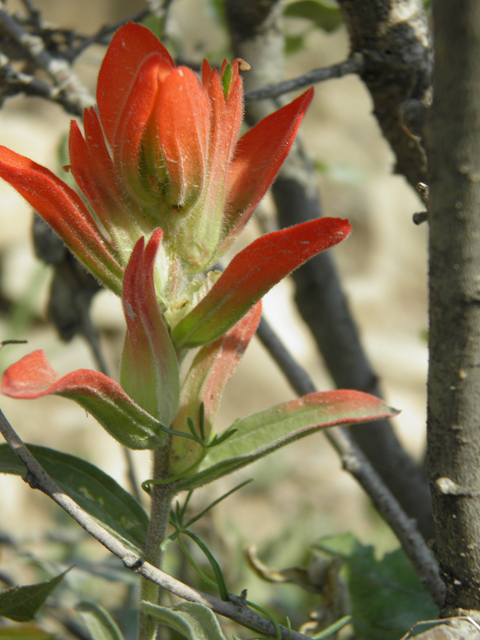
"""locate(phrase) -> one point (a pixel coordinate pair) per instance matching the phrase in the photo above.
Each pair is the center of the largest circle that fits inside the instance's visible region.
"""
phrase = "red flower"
(162, 151)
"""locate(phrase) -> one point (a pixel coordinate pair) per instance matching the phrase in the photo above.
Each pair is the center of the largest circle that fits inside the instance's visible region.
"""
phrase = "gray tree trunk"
(453, 150)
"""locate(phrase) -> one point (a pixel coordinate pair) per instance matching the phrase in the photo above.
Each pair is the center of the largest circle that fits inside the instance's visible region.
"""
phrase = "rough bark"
(453, 136)
(392, 36)
(319, 295)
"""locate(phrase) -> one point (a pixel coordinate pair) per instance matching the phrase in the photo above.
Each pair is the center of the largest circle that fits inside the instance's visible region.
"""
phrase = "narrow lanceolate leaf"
(99, 622)
(92, 167)
(259, 154)
(65, 212)
(261, 433)
(33, 377)
(191, 620)
(252, 273)
(211, 369)
(149, 371)
(22, 603)
(90, 487)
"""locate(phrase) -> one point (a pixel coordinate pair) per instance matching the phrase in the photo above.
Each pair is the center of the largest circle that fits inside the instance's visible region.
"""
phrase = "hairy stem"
(161, 498)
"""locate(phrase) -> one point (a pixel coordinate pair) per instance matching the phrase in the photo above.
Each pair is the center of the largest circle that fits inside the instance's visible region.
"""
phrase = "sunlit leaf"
(261, 433)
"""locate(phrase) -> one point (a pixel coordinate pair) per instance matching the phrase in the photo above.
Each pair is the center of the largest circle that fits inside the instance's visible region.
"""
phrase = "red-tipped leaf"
(140, 104)
(252, 273)
(258, 156)
(33, 377)
(184, 127)
(93, 170)
(149, 369)
(262, 433)
(127, 50)
(65, 212)
(209, 373)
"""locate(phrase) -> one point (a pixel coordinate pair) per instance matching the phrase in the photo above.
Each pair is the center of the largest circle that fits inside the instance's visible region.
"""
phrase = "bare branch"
(319, 294)
(77, 96)
(103, 35)
(353, 64)
(357, 464)
(13, 82)
(236, 609)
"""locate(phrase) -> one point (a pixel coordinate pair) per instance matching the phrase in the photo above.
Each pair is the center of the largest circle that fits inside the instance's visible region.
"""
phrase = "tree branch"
(357, 464)
(77, 98)
(353, 64)
(236, 609)
(319, 294)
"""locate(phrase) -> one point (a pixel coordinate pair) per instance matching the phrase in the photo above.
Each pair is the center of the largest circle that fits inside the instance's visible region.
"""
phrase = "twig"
(102, 36)
(319, 295)
(236, 609)
(34, 13)
(353, 64)
(77, 96)
(18, 82)
(357, 464)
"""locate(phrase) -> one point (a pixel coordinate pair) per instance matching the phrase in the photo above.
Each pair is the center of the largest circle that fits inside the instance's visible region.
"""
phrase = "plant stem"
(161, 498)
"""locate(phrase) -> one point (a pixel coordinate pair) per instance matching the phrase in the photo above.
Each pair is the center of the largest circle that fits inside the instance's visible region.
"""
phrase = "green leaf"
(99, 622)
(211, 369)
(324, 15)
(92, 489)
(261, 433)
(24, 632)
(294, 44)
(330, 630)
(386, 595)
(194, 621)
(33, 377)
(22, 603)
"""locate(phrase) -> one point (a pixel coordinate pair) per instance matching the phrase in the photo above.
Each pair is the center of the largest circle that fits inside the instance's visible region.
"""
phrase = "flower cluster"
(167, 187)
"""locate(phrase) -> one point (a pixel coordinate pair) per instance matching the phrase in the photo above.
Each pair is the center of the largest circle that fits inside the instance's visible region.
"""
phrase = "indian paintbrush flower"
(160, 150)
(167, 188)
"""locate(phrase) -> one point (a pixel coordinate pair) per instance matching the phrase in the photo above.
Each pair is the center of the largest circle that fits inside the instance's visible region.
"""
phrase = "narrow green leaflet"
(91, 488)
(24, 632)
(99, 622)
(261, 433)
(194, 621)
(386, 595)
(336, 626)
(22, 603)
